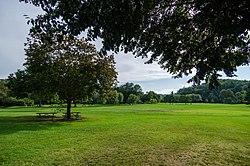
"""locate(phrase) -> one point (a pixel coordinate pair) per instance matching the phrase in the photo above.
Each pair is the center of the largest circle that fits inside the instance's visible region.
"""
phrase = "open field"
(160, 134)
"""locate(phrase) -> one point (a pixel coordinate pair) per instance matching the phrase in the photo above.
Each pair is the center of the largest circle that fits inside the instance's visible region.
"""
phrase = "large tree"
(180, 35)
(68, 66)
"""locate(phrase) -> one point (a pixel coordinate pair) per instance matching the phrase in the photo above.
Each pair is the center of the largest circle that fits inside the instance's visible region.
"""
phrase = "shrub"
(133, 99)
(152, 101)
(12, 101)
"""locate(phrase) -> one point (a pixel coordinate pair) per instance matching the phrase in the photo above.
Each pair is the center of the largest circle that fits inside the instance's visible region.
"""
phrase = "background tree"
(248, 94)
(130, 88)
(212, 98)
(240, 96)
(3, 89)
(213, 95)
(68, 66)
(194, 98)
(21, 84)
(146, 98)
(169, 98)
(18, 84)
(176, 98)
(227, 96)
(153, 101)
(120, 97)
(113, 97)
(185, 99)
(133, 99)
(96, 98)
(180, 35)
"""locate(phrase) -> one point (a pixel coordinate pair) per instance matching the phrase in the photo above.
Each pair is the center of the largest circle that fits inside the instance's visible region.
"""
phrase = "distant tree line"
(7, 99)
(230, 91)
(127, 93)
(187, 98)
(15, 91)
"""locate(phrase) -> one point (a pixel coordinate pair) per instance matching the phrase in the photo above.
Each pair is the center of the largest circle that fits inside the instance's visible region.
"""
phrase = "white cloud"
(134, 69)
(13, 32)
(166, 91)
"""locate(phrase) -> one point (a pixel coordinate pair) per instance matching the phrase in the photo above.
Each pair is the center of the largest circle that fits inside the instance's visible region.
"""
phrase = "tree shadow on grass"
(99, 105)
(9, 125)
(23, 109)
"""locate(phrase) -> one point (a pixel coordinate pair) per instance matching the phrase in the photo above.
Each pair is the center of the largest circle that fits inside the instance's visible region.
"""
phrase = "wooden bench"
(46, 114)
(75, 115)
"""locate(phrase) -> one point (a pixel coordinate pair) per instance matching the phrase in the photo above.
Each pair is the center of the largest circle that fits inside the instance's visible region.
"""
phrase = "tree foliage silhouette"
(180, 35)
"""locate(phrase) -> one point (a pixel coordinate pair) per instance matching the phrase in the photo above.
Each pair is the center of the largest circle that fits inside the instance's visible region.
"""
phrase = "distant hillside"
(230, 91)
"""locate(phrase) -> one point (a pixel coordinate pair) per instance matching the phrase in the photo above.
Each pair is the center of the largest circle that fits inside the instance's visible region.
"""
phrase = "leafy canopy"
(19, 84)
(181, 35)
(67, 66)
(3, 89)
(70, 66)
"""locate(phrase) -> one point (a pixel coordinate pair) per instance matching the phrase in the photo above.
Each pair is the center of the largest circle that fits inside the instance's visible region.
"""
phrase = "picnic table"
(46, 114)
(73, 114)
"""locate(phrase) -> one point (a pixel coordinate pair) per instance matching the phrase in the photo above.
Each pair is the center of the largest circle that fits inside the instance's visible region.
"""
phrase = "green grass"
(161, 134)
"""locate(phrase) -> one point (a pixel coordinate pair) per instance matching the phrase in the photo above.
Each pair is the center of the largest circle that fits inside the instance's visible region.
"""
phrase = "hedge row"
(12, 101)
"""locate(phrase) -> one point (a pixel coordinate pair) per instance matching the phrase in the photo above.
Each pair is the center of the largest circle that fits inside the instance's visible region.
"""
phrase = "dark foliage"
(248, 94)
(180, 35)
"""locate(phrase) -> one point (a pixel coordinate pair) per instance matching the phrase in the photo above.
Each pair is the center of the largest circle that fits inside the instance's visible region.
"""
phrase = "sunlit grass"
(161, 134)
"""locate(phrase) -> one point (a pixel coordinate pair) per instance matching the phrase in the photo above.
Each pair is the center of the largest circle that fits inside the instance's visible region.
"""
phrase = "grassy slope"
(162, 134)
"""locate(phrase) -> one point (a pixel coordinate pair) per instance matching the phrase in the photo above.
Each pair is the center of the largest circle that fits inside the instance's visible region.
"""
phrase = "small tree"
(227, 96)
(169, 98)
(120, 97)
(240, 96)
(150, 95)
(248, 94)
(3, 89)
(185, 99)
(194, 98)
(176, 98)
(133, 99)
(153, 101)
(18, 84)
(212, 98)
(113, 97)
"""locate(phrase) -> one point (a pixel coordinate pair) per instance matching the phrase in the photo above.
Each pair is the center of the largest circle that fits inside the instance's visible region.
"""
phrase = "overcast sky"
(14, 30)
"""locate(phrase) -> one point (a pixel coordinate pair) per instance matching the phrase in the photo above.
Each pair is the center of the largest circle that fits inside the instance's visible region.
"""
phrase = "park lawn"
(157, 134)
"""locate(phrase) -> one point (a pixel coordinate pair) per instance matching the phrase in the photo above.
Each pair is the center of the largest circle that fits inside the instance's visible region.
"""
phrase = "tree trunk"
(68, 109)
(40, 103)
